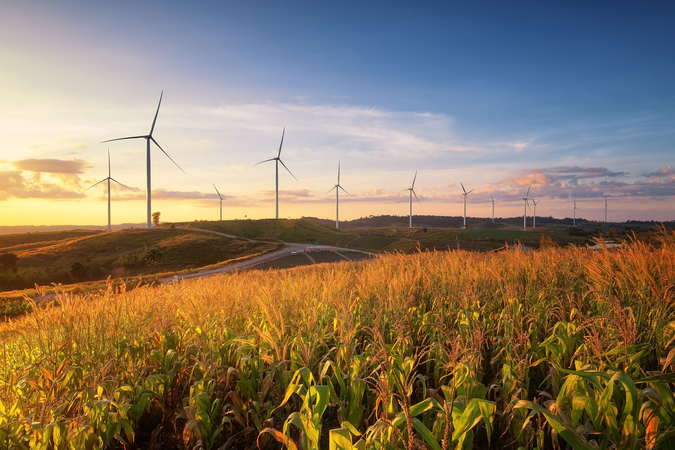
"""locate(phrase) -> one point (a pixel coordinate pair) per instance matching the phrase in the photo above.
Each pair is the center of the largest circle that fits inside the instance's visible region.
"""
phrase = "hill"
(80, 255)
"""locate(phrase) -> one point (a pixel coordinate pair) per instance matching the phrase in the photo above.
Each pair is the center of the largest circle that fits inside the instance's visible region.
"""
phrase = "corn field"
(553, 349)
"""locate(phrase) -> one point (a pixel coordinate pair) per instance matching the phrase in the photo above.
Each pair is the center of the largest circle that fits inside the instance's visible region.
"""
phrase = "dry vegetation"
(546, 349)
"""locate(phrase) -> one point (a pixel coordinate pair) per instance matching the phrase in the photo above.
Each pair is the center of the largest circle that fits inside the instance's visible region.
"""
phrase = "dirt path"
(286, 251)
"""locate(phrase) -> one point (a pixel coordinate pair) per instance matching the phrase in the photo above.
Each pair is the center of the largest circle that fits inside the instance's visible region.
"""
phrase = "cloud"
(559, 175)
(56, 166)
(58, 145)
(286, 193)
(661, 173)
(14, 185)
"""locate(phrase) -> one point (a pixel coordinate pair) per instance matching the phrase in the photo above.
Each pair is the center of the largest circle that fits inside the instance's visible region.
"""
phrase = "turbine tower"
(534, 213)
(109, 179)
(465, 195)
(412, 192)
(337, 188)
(525, 205)
(221, 201)
(605, 209)
(278, 160)
(574, 220)
(493, 209)
(148, 137)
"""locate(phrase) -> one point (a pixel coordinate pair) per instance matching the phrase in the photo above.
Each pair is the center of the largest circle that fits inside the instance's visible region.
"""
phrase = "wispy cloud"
(58, 166)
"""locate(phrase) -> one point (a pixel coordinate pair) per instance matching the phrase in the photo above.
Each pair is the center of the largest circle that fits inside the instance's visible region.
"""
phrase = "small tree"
(155, 218)
(153, 256)
(8, 260)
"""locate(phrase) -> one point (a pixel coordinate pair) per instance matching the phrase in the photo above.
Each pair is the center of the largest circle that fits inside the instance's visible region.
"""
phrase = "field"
(557, 348)
(388, 239)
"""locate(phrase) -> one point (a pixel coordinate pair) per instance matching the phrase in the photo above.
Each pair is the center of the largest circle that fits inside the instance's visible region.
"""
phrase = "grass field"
(440, 350)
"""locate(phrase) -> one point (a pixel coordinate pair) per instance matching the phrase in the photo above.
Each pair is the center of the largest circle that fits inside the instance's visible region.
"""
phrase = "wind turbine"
(221, 201)
(148, 137)
(278, 160)
(605, 209)
(493, 209)
(337, 188)
(574, 220)
(465, 195)
(525, 209)
(412, 192)
(534, 217)
(110, 178)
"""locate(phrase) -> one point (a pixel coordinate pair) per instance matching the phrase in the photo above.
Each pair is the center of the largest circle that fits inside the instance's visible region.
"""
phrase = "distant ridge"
(15, 229)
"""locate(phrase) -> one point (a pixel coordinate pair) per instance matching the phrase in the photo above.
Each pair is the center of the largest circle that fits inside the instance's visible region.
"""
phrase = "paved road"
(287, 250)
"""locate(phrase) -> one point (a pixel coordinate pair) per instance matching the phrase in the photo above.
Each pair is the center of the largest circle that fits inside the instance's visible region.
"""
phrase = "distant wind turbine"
(605, 209)
(574, 220)
(525, 209)
(278, 160)
(109, 179)
(534, 213)
(493, 209)
(465, 196)
(412, 192)
(221, 201)
(148, 137)
(337, 188)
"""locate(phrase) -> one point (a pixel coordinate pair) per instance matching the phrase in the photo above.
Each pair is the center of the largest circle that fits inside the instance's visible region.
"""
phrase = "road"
(286, 251)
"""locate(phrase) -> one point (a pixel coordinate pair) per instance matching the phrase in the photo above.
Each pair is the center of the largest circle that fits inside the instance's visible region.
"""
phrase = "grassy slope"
(24, 241)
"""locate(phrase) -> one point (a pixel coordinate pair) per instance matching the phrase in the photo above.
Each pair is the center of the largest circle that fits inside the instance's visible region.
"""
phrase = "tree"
(153, 256)
(8, 260)
(78, 272)
(155, 218)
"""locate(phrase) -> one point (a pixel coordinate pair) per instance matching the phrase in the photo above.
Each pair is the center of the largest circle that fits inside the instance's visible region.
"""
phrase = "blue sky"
(576, 99)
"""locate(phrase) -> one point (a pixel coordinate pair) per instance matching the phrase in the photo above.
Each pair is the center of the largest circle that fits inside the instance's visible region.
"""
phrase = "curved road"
(287, 250)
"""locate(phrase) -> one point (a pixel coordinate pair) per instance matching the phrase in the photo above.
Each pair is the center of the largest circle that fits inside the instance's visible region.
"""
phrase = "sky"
(575, 100)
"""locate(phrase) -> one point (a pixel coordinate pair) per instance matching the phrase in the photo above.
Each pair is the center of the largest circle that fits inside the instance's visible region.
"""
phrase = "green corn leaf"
(426, 434)
(340, 439)
(569, 434)
(471, 415)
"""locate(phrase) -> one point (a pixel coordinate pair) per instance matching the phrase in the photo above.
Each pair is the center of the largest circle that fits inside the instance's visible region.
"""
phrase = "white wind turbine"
(493, 209)
(534, 213)
(148, 137)
(465, 196)
(574, 220)
(221, 201)
(109, 179)
(525, 209)
(337, 188)
(605, 209)
(278, 160)
(412, 192)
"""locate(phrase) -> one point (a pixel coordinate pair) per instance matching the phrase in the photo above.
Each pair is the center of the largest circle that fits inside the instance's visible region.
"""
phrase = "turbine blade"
(167, 155)
(121, 184)
(338, 173)
(105, 179)
(463, 187)
(418, 200)
(122, 139)
(528, 192)
(108, 162)
(334, 187)
(413, 183)
(470, 191)
(345, 191)
(282, 142)
(282, 163)
(214, 187)
(155, 119)
(267, 160)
